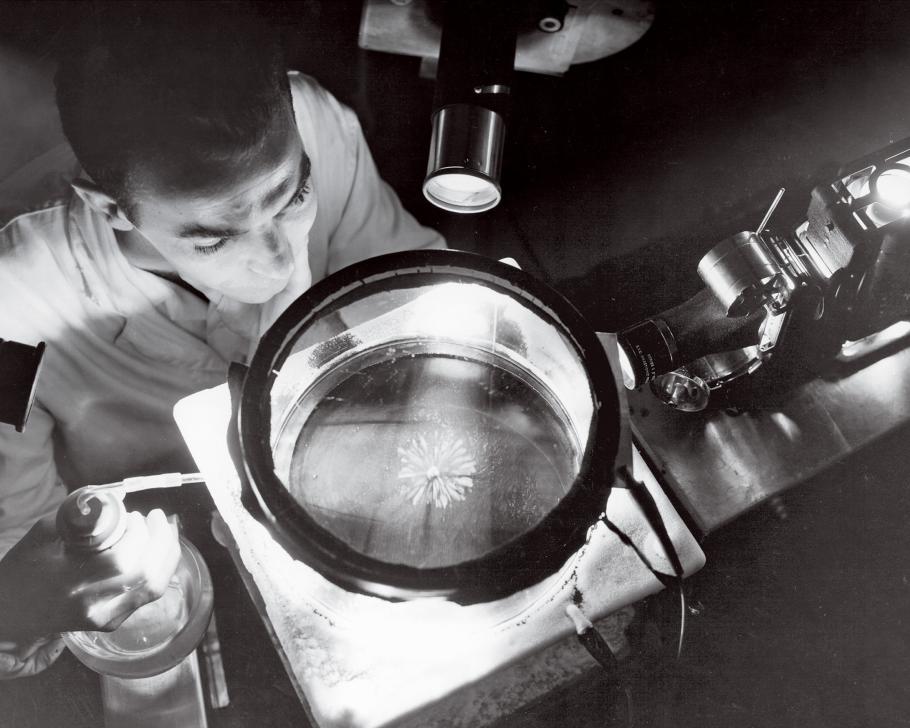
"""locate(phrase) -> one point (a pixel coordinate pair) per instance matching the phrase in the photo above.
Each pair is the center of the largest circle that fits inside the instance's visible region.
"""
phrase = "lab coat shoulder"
(33, 299)
(325, 127)
(362, 215)
(41, 184)
(34, 290)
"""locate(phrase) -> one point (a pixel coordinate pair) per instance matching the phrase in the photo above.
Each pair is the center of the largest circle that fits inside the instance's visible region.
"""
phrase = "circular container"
(159, 635)
(430, 423)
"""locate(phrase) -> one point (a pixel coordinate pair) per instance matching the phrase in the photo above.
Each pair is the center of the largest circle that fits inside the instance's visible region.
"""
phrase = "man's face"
(227, 225)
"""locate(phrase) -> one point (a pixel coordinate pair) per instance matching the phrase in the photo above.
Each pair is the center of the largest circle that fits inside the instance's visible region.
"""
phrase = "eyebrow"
(195, 230)
(203, 231)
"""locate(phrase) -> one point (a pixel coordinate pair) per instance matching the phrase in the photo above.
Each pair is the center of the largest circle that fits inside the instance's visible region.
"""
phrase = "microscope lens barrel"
(471, 106)
(646, 350)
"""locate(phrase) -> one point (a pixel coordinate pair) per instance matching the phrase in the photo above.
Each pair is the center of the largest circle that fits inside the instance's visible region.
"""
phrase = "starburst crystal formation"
(437, 469)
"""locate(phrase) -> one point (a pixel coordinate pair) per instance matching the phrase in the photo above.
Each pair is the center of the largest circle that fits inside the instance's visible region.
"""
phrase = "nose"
(272, 257)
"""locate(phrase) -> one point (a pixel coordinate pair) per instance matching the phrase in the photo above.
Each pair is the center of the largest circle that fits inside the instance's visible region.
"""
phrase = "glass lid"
(425, 419)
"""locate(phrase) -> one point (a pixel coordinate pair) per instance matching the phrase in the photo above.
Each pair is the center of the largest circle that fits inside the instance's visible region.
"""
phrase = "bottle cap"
(91, 521)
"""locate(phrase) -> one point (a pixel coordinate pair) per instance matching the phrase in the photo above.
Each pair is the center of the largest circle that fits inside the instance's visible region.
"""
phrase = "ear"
(100, 201)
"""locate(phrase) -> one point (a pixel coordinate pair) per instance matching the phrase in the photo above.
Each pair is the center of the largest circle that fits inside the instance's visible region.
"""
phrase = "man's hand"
(30, 659)
(46, 589)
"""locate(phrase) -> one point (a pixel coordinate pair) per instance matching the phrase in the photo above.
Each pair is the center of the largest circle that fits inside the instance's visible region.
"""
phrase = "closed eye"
(210, 249)
(299, 197)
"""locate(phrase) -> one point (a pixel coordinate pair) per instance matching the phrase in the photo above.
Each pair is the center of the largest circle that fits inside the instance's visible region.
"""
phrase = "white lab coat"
(123, 345)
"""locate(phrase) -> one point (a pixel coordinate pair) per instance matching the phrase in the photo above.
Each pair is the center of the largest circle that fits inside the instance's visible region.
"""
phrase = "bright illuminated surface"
(854, 349)
(460, 192)
(625, 366)
(893, 187)
(458, 309)
(366, 662)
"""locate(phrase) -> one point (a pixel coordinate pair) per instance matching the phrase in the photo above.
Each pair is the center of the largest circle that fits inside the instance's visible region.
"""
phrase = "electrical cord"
(588, 636)
(649, 507)
(598, 648)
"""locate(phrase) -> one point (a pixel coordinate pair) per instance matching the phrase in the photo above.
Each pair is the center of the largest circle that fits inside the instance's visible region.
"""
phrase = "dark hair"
(185, 81)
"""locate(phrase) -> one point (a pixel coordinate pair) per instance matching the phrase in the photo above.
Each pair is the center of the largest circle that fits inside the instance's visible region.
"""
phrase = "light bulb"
(892, 186)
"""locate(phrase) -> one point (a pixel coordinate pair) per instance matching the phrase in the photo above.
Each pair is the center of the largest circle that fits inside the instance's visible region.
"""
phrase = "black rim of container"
(515, 565)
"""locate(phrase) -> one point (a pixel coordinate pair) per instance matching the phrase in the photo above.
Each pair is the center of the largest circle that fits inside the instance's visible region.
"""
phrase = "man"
(214, 189)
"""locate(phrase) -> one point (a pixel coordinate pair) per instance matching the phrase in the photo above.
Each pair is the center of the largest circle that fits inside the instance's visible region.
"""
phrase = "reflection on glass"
(431, 459)
(445, 421)
(157, 636)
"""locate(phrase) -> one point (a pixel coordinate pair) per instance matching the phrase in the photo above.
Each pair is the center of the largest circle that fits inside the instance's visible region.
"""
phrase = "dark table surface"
(720, 463)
